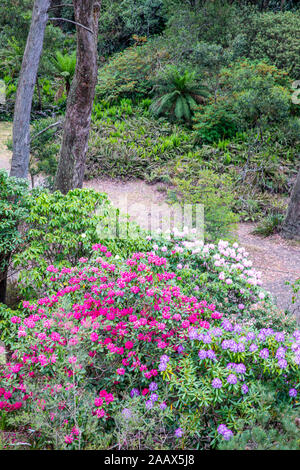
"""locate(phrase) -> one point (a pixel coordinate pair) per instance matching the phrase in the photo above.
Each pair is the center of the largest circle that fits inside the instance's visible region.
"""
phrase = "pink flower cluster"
(127, 313)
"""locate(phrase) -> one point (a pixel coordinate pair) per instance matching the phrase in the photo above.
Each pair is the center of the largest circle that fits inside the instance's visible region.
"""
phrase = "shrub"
(129, 74)
(274, 426)
(269, 225)
(123, 21)
(275, 36)
(215, 122)
(59, 229)
(223, 274)
(114, 330)
(45, 147)
(214, 192)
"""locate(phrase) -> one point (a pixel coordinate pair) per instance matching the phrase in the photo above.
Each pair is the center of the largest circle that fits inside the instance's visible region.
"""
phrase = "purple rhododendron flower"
(211, 354)
(179, 432)
(153, 397)
(227, 325)
(164, 358)
(216, 332)
(134, 392)
(264, 353)
(202, 354)
(228, 435)
(149, 404)
(153, 386)
(207, 339)
(193, 333)
(232, 379)
(225, 432)
(216, 383)
(222, 428)
(280, 353)
(279, 337)
(251, 336)
(240, 368)
(282, 363)
(126, 412)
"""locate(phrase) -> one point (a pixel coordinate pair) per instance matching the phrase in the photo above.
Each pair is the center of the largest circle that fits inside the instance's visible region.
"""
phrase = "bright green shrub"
(215, 192)
(13, 211)
(59, 230)
(215, 122)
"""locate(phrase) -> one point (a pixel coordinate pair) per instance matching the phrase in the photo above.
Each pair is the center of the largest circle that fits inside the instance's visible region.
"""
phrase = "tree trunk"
(71, 166)
(4, 260)
(27, 80)
(291, 225)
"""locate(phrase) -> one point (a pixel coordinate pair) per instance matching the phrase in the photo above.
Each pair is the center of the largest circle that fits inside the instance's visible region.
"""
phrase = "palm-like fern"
(65, 64)
(178, 94)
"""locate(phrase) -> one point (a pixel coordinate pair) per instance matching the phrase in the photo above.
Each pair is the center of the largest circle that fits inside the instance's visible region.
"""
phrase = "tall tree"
(291, 225)
(26, 84)
(71, 166)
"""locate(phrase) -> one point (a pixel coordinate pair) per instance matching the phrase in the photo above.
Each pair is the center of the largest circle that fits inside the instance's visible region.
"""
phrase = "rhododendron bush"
(222, 273)
(117, 341)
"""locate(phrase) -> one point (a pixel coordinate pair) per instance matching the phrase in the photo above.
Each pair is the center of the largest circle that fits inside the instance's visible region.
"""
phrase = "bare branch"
(73, 22)
(46, 129)
(61, 6)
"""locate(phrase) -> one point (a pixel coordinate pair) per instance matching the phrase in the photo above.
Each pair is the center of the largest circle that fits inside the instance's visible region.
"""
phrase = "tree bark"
(4, 260)
(27, 80)
(291, 225)
(71, 166)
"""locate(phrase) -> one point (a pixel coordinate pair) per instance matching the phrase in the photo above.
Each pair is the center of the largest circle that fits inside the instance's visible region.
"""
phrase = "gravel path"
(277, 259)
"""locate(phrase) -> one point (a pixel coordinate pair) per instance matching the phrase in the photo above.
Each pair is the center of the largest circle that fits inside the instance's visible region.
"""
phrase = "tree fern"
(65, 64)
(177, 94)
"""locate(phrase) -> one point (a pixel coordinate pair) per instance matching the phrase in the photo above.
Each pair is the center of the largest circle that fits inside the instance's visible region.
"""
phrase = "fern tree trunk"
(27, 80)
(70, 172)
(291, 225)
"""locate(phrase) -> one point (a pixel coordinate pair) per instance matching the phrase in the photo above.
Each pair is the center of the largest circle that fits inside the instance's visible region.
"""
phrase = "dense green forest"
(150, 341)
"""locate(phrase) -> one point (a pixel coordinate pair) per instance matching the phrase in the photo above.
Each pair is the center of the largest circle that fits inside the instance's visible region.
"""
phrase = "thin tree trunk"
(291, 225)
(70, 172)
(4, 260)
(27, 80)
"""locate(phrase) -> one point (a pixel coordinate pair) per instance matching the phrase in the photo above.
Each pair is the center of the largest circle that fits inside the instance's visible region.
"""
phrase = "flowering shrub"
(121, 335)
(221, 273)
(60, 229)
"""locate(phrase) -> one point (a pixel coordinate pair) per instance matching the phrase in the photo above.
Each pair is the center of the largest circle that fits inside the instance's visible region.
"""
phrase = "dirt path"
(278, 260)
(5, 154)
